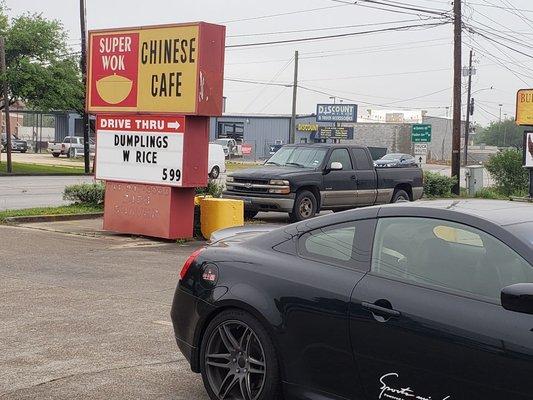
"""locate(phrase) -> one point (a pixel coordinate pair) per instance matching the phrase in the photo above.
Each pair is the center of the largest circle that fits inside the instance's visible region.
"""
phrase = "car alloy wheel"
(306, 207)
(235, 362)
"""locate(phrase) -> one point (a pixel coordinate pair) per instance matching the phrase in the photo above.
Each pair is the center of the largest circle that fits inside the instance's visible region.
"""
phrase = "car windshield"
(391, 157)
(310, 157)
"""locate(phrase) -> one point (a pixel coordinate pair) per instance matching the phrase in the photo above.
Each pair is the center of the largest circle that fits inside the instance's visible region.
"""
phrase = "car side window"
(446, 255)
(361, 160)
(66, 140)
(342, 156)
(346, 245)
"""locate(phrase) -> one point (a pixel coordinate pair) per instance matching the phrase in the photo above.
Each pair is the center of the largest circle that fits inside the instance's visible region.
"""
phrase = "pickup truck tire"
(400, 196)
(56, 155)
(305, 206)
(215, 172)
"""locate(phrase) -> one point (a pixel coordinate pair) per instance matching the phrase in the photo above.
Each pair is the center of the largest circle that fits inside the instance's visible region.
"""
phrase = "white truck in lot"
(72, 146)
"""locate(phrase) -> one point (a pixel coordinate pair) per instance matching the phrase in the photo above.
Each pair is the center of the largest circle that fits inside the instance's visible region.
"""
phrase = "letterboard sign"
(141, 149)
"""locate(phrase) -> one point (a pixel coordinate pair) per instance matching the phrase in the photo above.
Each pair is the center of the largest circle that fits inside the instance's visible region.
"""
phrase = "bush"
(85, 193)
(490, 193)
(437, 185)
(507, 171)
(212, 189)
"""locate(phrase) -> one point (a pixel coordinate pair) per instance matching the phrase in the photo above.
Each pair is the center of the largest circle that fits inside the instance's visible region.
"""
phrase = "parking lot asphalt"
(88, 317)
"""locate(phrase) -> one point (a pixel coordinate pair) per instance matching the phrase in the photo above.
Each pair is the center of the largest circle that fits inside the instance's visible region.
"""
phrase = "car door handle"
(379, 310)
(353, 178)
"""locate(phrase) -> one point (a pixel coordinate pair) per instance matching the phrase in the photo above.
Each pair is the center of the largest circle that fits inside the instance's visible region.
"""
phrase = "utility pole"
(457, 67)
(292, 129)
(468, 109)
(5, 90)
(83, 65)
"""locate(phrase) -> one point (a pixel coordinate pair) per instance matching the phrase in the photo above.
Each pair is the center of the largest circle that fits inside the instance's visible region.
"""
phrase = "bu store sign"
(142, 149)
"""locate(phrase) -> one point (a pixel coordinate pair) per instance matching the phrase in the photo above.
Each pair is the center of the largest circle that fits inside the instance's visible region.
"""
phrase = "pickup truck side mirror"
(518, 298)
(335, 166)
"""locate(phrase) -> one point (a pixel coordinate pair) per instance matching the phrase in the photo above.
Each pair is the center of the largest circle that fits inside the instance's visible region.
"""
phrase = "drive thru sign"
(140, 149)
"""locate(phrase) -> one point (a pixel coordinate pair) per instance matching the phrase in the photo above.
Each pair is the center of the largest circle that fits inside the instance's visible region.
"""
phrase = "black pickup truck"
(303, 179)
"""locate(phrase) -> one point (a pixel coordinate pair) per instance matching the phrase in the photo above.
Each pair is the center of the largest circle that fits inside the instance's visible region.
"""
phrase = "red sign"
(115, 65)
(167, 69)
(246, 149)
(151, 210)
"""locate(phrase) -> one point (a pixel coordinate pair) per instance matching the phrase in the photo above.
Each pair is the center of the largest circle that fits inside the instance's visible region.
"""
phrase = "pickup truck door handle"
(353, 178)
(380, 311)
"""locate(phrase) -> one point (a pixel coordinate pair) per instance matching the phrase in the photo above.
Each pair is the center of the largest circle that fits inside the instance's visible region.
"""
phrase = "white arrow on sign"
(173, 125)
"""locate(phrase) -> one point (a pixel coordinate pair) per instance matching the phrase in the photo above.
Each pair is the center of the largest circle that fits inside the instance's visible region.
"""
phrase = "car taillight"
(189, 262)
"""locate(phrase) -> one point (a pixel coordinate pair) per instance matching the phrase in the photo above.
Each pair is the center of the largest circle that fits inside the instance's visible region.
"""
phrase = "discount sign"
(160, 69)
(142, 149)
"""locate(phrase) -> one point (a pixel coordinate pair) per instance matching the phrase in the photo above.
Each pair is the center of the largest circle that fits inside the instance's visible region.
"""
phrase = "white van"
(216, 160)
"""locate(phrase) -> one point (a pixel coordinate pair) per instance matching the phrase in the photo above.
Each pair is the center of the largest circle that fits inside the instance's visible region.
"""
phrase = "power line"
(401, 6)
(279, 14)
(377, 75)
(270, 81)
(326, 28)
(252, 82)
(365, 102)
(339, 35)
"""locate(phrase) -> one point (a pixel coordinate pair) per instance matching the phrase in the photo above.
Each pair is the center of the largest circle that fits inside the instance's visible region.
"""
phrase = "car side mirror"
(335, 166)
(518, 298)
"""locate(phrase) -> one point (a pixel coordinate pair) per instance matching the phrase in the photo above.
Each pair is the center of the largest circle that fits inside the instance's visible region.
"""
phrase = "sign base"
(151, 210)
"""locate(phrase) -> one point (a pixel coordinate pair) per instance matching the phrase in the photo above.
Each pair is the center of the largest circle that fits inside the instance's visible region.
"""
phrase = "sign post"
(524, 117)
(153, 90)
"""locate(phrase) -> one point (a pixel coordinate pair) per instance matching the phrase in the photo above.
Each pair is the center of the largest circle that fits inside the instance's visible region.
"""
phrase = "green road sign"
(421, 133)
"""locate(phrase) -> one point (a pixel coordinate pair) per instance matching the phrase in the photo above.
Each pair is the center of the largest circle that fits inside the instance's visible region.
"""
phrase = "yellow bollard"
(218, 214)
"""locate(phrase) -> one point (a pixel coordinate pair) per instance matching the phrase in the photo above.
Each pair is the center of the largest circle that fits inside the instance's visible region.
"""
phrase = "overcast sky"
(400, 69)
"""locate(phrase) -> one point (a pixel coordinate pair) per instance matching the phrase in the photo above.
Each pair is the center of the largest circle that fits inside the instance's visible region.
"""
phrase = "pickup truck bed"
(321, 177)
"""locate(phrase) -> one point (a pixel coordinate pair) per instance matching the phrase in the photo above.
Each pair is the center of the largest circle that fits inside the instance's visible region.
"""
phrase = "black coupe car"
(429, 300)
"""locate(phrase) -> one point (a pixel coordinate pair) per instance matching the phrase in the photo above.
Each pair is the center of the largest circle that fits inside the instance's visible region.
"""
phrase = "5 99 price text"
(171, 175)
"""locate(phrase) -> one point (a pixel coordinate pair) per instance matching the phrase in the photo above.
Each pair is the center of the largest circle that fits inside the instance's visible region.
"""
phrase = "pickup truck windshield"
(308, 157)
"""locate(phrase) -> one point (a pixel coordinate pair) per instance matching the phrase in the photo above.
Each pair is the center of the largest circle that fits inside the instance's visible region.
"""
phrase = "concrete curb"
(52, 218)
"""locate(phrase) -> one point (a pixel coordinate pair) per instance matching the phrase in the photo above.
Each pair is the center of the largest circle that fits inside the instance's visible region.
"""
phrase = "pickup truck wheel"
(305, 206)
(56, 155)
(400, 196)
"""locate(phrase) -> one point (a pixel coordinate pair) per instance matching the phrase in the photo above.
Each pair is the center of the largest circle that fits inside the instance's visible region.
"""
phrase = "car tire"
(305, 206)
(234, 344)
(23, 151)
(249, 214)
(400, 196)
(215, 172)
(56, 155)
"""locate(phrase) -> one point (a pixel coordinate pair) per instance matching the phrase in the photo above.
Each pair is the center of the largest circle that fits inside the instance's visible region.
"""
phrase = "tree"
(502, 134)
(40, 70)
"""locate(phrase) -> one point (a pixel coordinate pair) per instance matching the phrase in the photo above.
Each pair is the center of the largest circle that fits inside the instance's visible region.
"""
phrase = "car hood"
(270, 171)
